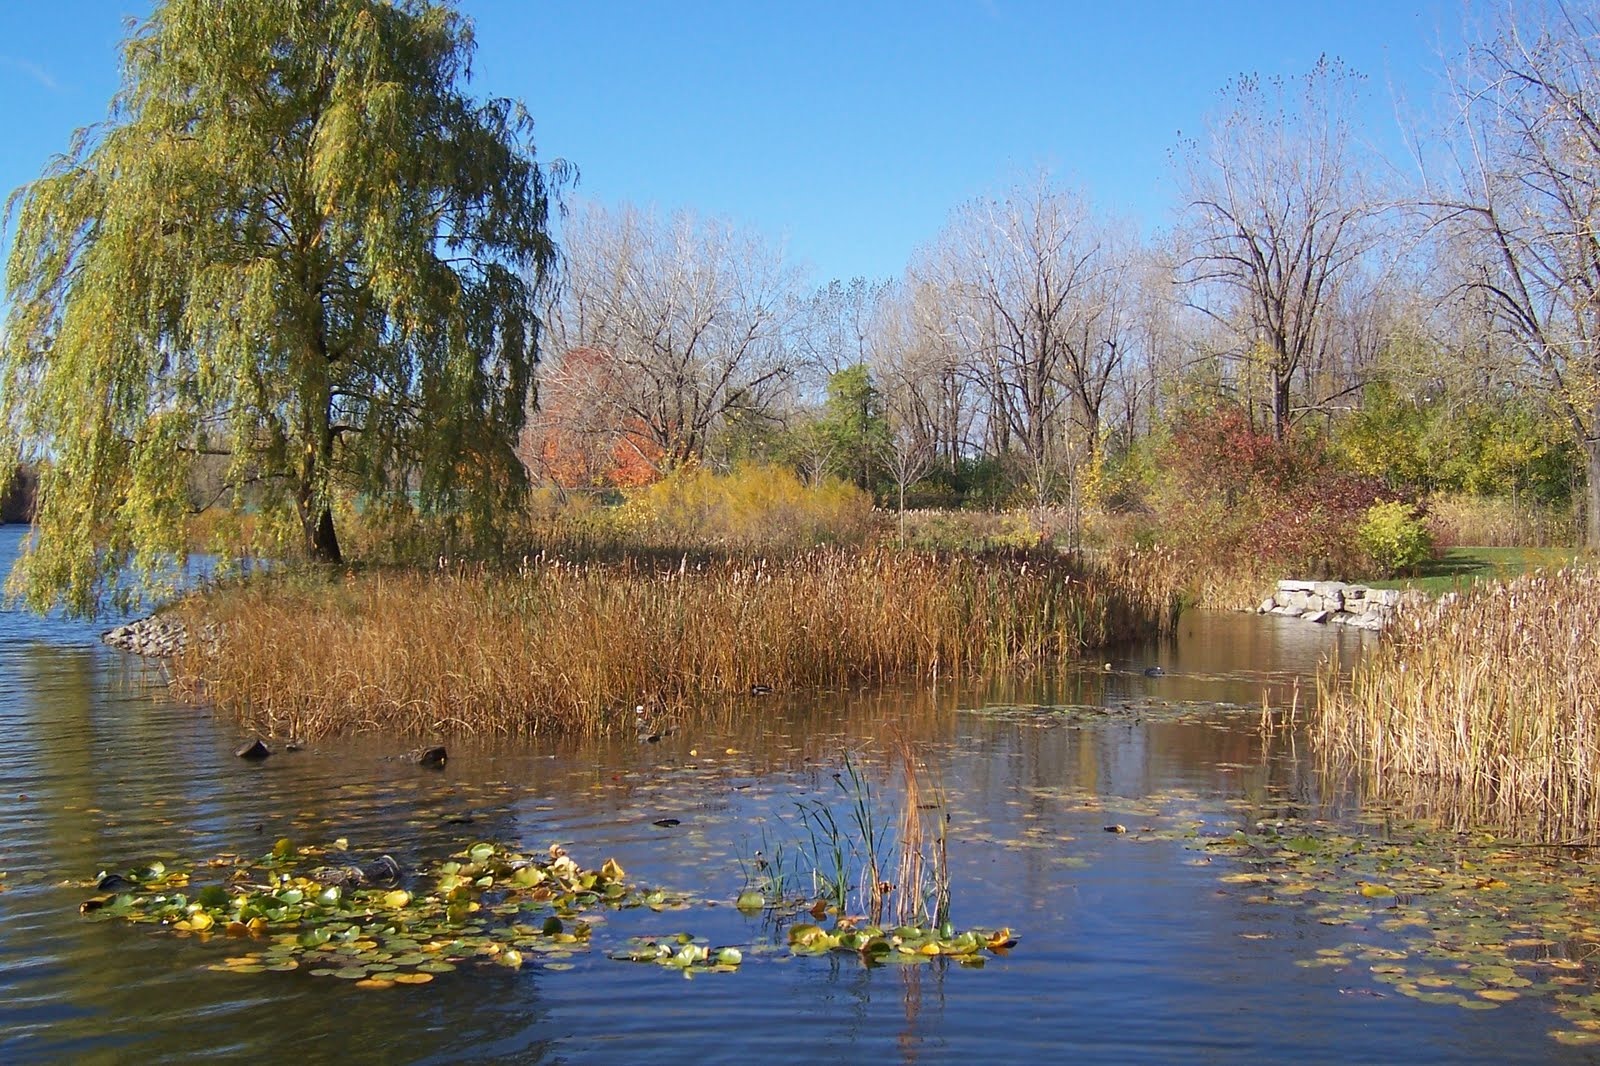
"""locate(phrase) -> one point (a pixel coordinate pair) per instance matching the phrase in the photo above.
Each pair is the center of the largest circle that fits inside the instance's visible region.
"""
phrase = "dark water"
(1128, 953)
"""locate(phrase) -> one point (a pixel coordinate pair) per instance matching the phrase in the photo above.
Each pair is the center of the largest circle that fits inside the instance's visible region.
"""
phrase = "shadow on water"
(1129, 952)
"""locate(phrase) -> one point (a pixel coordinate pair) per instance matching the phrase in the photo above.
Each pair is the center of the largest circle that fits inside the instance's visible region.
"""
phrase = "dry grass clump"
(1492, 699)
(1499, 522)
(563, 646)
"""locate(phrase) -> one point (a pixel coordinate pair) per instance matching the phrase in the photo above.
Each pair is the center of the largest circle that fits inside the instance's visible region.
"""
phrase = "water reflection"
(1128, 954)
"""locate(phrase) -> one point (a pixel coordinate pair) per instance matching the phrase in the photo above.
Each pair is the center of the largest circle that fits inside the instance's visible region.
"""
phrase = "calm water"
(1127, 954)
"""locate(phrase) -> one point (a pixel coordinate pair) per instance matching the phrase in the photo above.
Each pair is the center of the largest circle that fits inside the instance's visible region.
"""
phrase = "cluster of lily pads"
(1444, 917)
(903, 944)
(682, 951)
(487, 904)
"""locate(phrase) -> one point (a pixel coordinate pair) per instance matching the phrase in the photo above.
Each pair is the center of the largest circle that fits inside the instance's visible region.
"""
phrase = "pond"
(1133, 947)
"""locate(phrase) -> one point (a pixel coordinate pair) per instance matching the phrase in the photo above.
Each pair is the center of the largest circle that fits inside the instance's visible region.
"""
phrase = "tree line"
(300, 264)
(1302, 278)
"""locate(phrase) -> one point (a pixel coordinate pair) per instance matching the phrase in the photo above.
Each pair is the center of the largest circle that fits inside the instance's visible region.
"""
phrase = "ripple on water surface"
(1128, 952)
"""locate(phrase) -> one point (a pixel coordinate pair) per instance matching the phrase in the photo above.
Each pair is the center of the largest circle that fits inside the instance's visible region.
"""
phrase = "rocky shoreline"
(1336, 603)
(155, 637)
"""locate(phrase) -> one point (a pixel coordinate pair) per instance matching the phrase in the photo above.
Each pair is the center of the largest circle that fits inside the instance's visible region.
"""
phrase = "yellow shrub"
(755, 506)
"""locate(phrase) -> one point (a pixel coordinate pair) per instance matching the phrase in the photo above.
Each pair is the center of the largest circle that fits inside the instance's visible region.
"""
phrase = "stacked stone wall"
(1334, 602)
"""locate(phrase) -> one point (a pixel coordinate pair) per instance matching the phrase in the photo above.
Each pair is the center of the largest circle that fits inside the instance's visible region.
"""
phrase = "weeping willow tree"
(297, 258)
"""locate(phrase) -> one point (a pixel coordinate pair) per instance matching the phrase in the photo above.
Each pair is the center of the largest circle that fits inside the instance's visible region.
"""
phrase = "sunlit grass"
(1458, 568)
(557, 645)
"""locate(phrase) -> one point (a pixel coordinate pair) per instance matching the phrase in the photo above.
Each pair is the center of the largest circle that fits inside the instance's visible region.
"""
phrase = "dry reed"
(921, 886)
(1489, 522)
(562, 646)
(1489, 704)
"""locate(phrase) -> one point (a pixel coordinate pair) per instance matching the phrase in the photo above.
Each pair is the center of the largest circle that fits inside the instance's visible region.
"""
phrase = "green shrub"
(1395, 537)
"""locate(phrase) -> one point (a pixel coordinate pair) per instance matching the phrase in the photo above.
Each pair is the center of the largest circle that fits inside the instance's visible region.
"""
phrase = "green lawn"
(1459, 567)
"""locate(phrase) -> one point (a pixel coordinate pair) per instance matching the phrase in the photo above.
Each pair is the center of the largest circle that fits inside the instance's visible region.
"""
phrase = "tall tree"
(1527, 211)
(1278, 206)
(853, 420)
(838, 323)
(918, 364)
(296, 242)
(1021, 276)
(685, 323)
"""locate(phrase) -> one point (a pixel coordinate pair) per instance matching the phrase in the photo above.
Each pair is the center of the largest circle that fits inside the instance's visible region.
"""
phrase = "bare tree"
(1100, 337)
(1526, 210)
(1278, 211)
(1021, 277)
(687, 321)
(837, 322)
(908, 457)
(920, 369)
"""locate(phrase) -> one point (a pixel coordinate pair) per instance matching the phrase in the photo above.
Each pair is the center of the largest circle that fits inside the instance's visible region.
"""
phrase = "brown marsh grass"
(1488, 705)
(921, 885)
(1498, 522)
(556, 645)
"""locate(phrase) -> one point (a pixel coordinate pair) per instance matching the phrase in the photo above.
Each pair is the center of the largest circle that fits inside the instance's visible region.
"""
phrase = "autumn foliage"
(1230, 491)
(572, 443)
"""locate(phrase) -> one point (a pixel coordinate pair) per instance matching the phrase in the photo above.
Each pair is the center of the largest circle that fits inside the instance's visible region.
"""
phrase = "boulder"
(1332, 593)
(1295, 599)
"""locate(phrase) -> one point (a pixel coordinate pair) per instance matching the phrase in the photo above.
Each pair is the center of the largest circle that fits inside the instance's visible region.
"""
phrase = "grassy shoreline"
(562, 646)
(1455, 569)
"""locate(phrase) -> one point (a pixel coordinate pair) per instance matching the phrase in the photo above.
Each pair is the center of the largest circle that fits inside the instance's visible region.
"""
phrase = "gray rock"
(1332, 593)
(1295, 600)
(155, 636)
(1266, 605)
(1316, 616)
(1297, 586)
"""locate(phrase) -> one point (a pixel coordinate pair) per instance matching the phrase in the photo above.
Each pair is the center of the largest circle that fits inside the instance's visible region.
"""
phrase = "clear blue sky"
(848, 131)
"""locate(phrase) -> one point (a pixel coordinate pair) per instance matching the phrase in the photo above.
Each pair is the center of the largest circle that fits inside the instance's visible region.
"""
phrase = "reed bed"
(559, 645)
(1487, 704)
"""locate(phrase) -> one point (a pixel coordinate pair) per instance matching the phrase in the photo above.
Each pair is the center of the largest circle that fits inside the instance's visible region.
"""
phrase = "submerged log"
(383, 870)
(255, 750)
(433, 757)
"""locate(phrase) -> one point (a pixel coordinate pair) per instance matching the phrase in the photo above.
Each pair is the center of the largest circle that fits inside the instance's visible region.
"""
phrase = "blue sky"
(846, 131)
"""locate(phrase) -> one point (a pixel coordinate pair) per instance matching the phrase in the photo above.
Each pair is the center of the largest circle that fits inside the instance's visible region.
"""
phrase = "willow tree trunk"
(311, 501)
